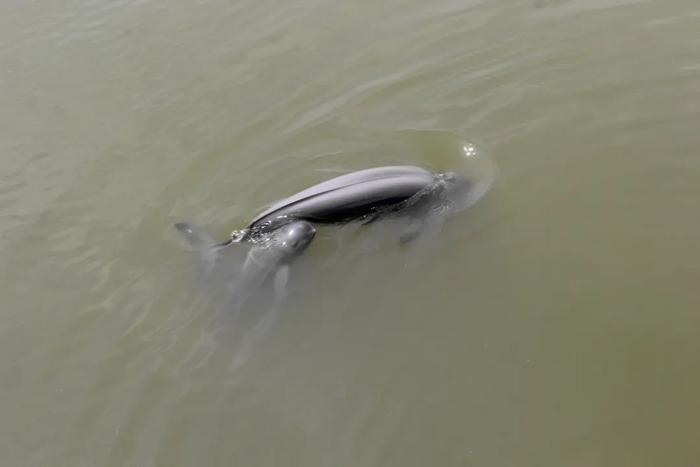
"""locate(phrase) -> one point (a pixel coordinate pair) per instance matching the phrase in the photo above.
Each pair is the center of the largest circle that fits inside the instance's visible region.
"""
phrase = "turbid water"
(554, 323)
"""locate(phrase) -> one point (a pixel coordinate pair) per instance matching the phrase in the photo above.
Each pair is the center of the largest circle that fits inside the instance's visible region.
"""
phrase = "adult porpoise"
(283, 231)
(364, 195)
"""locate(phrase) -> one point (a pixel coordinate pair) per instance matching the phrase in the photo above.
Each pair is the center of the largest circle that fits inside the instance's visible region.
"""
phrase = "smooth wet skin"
(288, 241)
(350, 196)
(272, 255)
(364, 195)
(284, 231)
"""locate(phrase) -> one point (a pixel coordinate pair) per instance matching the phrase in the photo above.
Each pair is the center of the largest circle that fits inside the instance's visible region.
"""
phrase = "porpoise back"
(350, 196)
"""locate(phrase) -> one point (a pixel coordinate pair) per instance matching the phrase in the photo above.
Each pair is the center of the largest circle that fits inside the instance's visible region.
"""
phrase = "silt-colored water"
(554, 323)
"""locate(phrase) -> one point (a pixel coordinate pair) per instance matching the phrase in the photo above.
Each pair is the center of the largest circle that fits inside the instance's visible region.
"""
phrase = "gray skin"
(284, 230)
(273, 254)
(365, 195)
(280, 247)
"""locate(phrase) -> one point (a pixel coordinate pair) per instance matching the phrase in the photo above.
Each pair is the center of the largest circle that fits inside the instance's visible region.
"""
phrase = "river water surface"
(554, 323)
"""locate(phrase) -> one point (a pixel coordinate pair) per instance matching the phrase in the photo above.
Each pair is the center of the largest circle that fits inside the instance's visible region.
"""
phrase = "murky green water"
(556, 323)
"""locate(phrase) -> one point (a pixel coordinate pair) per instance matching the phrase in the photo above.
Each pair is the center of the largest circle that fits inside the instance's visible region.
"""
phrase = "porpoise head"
(291, 239)
(272, 252)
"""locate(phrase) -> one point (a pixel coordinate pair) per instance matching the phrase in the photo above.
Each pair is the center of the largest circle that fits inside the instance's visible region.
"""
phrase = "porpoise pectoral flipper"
(280, 282)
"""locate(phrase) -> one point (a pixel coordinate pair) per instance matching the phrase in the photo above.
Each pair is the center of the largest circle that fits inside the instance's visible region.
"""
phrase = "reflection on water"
(553, 322)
